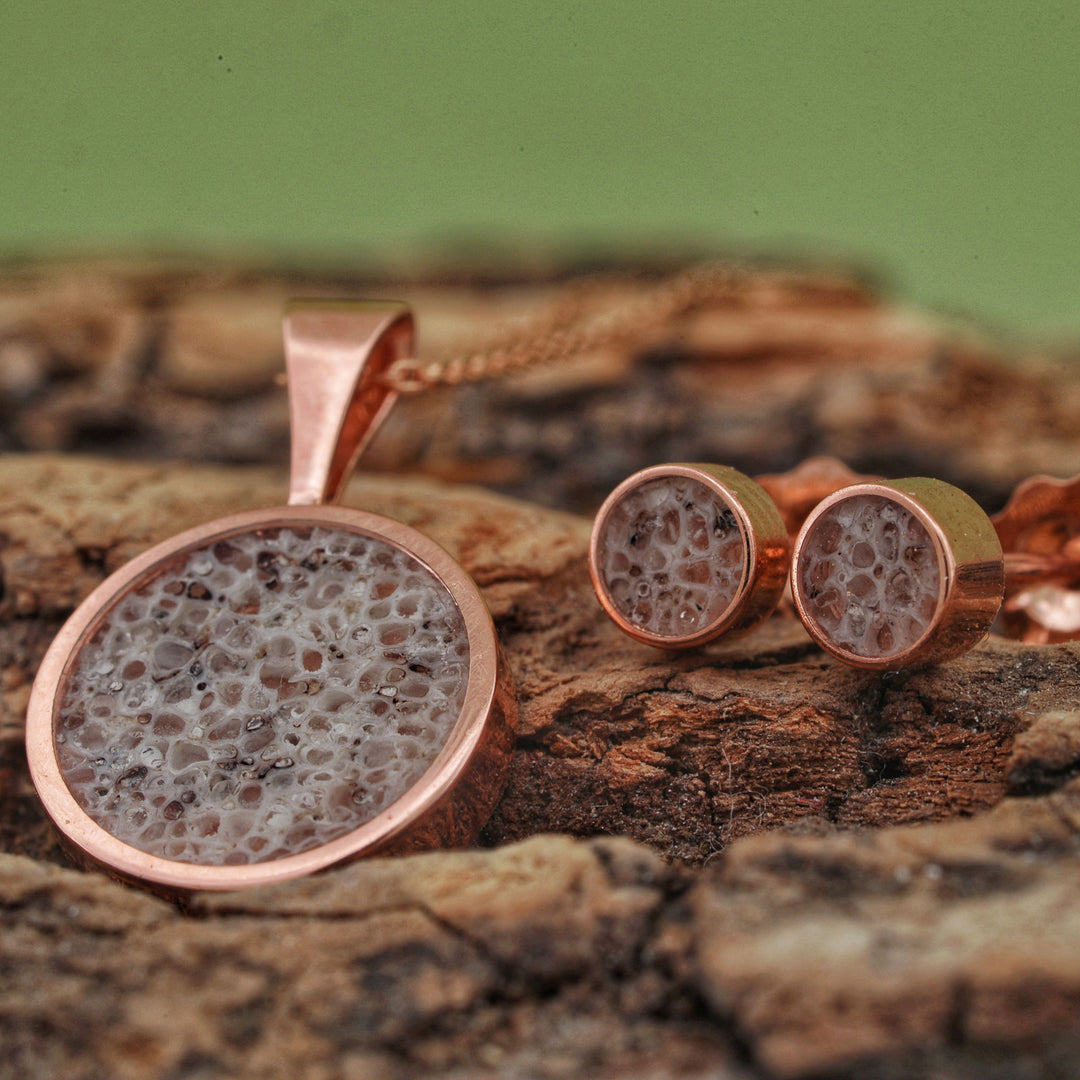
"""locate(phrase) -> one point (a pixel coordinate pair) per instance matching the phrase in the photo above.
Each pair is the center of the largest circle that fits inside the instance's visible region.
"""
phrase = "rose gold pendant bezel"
(477, 747)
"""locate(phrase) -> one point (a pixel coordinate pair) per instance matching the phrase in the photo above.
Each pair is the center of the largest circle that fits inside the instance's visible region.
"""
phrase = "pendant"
(280, 690)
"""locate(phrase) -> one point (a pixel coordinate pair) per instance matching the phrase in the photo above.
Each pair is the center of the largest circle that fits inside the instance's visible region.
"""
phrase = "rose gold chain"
(571, 326)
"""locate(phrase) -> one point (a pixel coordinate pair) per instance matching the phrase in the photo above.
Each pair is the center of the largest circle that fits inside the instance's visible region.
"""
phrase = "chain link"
(570, 327)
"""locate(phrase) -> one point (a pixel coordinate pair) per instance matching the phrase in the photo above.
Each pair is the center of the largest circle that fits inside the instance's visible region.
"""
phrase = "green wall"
(937, 141)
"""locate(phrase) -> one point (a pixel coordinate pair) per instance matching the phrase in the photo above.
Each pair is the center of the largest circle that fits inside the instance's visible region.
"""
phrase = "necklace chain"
(571, 326)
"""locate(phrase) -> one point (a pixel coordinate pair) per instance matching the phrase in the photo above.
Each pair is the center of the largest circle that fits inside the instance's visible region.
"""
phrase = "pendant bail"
(335, 352)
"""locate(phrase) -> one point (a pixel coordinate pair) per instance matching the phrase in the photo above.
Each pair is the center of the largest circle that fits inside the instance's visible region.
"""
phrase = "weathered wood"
(777, 866)
(571, 955)
(178, 362)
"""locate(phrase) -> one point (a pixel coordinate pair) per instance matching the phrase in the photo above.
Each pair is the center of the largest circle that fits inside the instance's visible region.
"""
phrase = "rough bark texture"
(776, 867)
(178, 361)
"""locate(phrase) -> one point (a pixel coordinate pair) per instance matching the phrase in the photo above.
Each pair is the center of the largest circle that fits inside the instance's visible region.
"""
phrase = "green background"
(934, 141)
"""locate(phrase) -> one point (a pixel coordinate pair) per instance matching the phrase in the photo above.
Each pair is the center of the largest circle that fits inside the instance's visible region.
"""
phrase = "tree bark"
(178, 362)
(771, 865)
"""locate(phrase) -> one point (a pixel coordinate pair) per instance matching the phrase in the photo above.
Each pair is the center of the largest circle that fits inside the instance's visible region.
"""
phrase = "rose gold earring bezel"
(969, 563)
(764, 538)
(446, 805)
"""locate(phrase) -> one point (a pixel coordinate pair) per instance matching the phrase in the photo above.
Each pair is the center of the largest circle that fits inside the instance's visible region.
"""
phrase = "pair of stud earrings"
(883, 575)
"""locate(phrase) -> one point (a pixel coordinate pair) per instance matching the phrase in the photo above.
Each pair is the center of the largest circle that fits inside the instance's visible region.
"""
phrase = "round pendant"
(273, 693)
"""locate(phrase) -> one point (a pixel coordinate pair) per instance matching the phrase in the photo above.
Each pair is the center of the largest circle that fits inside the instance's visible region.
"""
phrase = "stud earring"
(900, 574)
(681, 554)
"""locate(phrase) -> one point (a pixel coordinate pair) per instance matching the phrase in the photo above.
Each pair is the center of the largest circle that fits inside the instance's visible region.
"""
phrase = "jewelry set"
(283, 690)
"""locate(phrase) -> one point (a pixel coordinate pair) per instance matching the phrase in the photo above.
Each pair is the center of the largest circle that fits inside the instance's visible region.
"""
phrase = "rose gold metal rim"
(731, 613)
(946, 568)
(485, 698)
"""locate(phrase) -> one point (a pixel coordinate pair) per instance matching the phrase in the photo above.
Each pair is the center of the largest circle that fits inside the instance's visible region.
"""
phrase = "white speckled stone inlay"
(263, 695)
(869, 576)
(671, 556)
